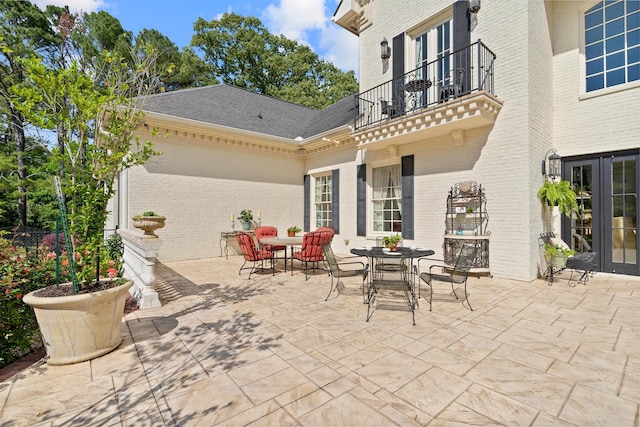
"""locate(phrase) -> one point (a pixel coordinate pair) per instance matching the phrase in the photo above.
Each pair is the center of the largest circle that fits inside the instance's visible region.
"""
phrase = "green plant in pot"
(392, 241)
(292, 231)
(557, 255)
(246, 218)
(560, 194)
(96, 116)
(149, 221)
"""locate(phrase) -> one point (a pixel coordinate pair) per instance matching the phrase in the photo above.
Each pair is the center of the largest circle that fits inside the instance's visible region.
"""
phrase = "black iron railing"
(464, 71)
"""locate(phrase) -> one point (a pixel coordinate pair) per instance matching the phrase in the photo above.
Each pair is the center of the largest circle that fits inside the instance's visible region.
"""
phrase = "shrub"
(20, 273)
(49, 242)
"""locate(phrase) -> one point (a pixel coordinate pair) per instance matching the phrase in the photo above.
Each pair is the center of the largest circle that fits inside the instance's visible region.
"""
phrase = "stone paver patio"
(228, 351)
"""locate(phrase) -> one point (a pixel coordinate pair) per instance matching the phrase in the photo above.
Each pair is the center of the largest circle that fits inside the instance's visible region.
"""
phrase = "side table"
(226, 235)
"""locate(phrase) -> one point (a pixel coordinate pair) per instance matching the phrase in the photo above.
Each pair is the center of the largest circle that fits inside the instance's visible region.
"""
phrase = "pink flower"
(112, 263)
(113, 272)
(51, 255)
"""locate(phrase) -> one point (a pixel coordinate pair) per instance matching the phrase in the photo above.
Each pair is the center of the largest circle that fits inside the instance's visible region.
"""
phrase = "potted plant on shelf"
(391, 242)
(97, 131)
(557, 255)
(291, 231)
(246, 217)
(149, 221)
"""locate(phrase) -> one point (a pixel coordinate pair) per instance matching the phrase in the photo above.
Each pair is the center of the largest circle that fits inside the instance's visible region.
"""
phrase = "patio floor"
(270, 351)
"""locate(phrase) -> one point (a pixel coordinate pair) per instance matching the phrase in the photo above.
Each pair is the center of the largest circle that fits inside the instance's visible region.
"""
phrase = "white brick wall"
(537, 75)
(197, 185)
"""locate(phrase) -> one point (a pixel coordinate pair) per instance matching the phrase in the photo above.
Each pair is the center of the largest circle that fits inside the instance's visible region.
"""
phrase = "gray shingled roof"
(242, 109)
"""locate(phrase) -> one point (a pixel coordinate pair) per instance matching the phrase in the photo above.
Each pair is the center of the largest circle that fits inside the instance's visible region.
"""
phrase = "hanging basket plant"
(560, 194)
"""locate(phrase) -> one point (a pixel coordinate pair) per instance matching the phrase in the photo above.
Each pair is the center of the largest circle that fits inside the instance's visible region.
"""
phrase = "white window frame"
(583, 67)
(371, 232)
(317, 178)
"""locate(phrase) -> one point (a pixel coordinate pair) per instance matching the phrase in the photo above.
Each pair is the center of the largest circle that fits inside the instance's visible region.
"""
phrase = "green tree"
(242, 52)
(24, 29)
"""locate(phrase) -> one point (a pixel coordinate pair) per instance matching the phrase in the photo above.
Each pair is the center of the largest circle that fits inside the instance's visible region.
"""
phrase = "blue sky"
(307, 21)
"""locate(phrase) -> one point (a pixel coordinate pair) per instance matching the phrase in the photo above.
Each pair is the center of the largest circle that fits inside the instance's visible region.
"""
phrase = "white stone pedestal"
(139, 258)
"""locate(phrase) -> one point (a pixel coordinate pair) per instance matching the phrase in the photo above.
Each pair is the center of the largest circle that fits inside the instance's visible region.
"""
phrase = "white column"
(139, 257)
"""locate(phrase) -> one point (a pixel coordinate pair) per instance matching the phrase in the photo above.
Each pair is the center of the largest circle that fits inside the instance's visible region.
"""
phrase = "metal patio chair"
(454, 275)
(252, 254)
(337, 272)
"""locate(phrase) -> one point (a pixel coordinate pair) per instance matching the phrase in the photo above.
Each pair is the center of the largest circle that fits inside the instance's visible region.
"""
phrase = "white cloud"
(295, 18)
(74, 5)
(340, 47)
(309, 22)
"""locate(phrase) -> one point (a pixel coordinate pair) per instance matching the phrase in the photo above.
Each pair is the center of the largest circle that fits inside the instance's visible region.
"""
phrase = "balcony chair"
(458, 274)
(455, 89)
(386, 108)
(311, 251)
(251, 253)
(269, 231)
(581, 266)
(337, 272)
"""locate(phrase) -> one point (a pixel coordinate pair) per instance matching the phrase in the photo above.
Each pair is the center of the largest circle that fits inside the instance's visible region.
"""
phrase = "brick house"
(450, 91)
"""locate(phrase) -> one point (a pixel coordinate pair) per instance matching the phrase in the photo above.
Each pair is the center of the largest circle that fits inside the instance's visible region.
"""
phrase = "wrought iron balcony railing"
(462, 72)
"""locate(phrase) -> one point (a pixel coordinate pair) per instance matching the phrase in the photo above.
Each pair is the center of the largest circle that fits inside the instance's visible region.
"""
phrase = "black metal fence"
(459, 73)
(31, 238)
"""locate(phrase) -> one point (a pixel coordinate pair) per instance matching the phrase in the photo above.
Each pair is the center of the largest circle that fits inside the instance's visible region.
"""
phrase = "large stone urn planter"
(149, 224)
(80, 327)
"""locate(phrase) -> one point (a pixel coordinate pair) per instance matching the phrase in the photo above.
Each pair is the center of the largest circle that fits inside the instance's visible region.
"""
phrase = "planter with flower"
(97, 140)
(557, 255)
(293, 230)
(392, 242)
(149, 222)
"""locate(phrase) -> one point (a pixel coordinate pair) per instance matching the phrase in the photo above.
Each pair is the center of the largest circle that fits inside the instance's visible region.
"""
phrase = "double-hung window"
(387, 199)
(612, 43)
(323, 199)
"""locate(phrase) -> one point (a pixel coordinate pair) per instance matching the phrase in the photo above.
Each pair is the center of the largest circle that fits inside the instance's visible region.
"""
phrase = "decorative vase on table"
(80, 327)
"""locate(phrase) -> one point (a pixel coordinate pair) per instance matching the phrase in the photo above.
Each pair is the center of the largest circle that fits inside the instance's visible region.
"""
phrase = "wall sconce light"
(553, 164)
(474, 6)
(385, 50)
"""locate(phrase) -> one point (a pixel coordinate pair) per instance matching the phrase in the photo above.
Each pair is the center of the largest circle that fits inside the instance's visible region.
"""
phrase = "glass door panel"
(582, 218)
(621, 202)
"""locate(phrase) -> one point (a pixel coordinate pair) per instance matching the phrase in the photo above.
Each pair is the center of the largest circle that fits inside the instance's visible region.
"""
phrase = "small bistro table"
(283, 241)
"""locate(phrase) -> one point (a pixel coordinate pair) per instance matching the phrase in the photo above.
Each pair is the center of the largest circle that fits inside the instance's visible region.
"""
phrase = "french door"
(606, 220)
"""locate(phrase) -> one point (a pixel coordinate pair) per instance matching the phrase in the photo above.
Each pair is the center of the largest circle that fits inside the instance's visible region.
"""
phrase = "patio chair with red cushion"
(311, 251)
(327, 229)
(251, 253)
(270, 231)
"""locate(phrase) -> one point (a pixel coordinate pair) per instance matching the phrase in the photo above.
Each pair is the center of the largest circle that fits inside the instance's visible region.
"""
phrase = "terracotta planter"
(149, 224)
(291, 233)
(80, 327)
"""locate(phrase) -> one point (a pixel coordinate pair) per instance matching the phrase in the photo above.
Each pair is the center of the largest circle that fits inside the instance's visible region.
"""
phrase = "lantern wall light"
(551, 164)
(385, 50)
(474, 6)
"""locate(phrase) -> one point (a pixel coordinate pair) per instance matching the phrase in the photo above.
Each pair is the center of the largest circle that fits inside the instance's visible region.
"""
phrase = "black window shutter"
(407, 197)
(361, 201)
(462, 39)
(335, 200)
(397, 90)
(307, 203)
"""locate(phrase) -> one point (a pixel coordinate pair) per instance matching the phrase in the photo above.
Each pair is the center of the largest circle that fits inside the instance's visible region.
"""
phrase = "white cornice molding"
(452, 118)
(195, 130)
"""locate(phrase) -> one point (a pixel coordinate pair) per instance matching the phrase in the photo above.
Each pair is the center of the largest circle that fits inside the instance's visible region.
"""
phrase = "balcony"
(449, 95)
